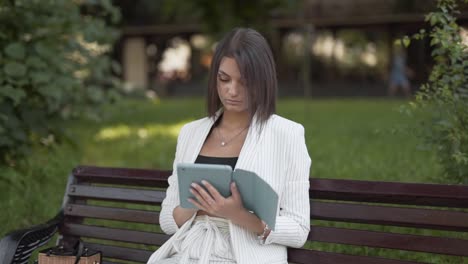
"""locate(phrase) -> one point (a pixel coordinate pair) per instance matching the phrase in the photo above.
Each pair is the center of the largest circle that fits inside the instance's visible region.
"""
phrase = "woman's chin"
(235, 109)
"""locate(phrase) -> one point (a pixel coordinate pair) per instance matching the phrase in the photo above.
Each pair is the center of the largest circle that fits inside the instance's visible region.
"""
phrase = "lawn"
(353, 139)
(361, 139)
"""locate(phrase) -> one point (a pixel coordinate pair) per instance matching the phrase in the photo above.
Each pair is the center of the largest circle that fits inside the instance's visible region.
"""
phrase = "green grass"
(361, 139)
(352, 139)
(347, 138)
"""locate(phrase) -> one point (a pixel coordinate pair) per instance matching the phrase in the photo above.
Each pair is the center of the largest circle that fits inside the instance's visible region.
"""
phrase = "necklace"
(225, 142)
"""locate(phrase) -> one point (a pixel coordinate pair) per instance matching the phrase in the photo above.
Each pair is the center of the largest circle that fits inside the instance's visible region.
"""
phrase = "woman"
(241, 130)
(399, 74)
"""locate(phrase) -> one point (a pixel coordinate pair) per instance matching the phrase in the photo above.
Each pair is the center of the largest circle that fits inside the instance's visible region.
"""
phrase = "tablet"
(218, 175)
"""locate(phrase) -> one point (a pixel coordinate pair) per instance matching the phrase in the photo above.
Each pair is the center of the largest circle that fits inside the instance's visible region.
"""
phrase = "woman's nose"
(233, 89)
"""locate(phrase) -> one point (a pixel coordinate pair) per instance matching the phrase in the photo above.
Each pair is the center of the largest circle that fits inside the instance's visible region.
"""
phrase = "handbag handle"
(79, 247)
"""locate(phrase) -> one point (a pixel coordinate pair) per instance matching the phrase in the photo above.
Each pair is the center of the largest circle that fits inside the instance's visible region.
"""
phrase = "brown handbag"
(78, 255)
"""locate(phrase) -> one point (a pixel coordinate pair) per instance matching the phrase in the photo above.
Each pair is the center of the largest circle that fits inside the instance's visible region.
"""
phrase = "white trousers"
(206, 241)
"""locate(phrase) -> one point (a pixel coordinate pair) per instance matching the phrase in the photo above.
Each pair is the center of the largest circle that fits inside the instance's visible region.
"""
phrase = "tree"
(443, 100)
(218, 17)
(53, 67)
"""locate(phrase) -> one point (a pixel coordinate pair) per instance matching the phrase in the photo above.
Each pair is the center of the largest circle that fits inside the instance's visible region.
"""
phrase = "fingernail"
(204, 182)
(193, 185)
(234, 184)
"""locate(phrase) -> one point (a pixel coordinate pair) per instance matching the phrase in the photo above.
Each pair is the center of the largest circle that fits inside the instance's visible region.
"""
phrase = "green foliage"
(218, 17)
(444, 98)
(53, 66)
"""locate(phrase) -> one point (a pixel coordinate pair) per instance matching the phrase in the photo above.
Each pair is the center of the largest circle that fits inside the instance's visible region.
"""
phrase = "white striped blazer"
(278, 154)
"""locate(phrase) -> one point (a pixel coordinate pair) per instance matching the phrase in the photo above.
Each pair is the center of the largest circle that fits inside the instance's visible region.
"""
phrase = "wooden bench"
(130, 198)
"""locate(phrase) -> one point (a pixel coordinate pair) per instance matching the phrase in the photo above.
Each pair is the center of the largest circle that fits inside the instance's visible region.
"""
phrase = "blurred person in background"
(399, 73)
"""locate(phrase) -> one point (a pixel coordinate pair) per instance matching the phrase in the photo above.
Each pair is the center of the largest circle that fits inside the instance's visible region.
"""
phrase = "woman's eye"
(223, 79)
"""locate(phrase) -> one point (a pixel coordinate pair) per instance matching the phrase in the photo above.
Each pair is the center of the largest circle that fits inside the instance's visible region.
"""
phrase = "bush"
(53, 67)
(444, 98)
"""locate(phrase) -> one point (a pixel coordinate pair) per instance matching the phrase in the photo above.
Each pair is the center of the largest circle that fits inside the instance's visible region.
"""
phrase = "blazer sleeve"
(293, 223)
(166, 218)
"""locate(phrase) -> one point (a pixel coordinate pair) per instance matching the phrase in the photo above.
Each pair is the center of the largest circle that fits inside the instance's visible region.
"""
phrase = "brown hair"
(256, 65)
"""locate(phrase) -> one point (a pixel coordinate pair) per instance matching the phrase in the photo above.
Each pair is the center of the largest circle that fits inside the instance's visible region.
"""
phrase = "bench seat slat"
(121, 253)
(305, 256)
(390, 192)
(110, 213)
(114, 234)
(438, 245)
(116, 194)
(389, 215)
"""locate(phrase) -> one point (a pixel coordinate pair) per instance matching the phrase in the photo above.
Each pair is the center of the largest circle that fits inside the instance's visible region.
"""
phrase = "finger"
(206, 196)
(199, 197)
(212, 190)
(235, 191)
(198, 205)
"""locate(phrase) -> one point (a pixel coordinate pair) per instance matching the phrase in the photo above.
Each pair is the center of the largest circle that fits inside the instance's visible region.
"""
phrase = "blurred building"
(342, 48)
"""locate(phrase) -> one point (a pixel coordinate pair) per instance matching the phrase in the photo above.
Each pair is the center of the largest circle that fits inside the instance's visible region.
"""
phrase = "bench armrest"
(18, 245)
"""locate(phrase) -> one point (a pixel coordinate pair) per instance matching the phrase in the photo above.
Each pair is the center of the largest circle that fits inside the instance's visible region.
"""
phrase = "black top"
(217, 160)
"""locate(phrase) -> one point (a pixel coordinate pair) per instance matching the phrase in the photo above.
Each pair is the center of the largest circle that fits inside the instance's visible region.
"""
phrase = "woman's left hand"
(214, 203)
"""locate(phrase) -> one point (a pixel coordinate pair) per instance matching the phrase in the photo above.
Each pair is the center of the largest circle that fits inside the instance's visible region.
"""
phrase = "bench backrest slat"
(388, 215)
(110, 213)
(114, 234)
(110, 262)
(376, 211)
(390, 192)
(313, 256)
(117, 194)
(123, 253)
(124, 176)
(439, 245)
(350, 190)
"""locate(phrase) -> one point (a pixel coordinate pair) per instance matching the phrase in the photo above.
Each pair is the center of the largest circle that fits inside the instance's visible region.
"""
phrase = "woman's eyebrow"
(221, 72)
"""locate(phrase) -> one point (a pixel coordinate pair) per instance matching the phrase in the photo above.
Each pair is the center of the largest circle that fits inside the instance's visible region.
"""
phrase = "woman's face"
(231, 86)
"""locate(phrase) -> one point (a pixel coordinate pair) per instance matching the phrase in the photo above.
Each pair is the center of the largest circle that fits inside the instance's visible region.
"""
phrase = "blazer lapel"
(200, 135)
(247, 153)
(199, 138)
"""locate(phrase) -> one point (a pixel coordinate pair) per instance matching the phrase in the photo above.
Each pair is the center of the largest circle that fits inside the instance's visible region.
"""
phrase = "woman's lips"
(233, 102)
